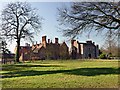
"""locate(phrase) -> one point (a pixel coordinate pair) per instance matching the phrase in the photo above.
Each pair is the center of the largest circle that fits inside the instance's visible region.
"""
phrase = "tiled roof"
(37, 49)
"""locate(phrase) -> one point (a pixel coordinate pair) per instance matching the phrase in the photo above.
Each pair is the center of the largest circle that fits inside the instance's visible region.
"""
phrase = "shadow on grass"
(22, 67)
(10, 68)
(79, 71)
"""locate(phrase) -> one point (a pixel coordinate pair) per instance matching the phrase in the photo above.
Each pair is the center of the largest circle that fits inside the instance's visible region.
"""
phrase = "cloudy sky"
(48, 10)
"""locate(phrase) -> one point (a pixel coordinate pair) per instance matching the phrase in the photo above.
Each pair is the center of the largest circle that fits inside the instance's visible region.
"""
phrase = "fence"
(7, 61)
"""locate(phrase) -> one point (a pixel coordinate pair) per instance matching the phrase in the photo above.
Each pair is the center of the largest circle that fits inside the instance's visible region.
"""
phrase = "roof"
(25, 47)
(63, 44)
(35, 50)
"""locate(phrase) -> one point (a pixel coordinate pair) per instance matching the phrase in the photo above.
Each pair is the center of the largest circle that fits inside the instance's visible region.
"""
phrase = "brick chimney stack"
(56, 40)
(72, 42)
(44, 41)
(48, 40)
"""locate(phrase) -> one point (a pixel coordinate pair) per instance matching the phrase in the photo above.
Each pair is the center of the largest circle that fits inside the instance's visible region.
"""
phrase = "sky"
(48, 11)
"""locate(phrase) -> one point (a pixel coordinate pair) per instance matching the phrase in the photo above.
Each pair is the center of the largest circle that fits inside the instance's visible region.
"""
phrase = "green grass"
(61, 74)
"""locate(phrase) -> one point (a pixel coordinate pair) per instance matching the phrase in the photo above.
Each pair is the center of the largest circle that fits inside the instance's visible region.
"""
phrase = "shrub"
(102, 56)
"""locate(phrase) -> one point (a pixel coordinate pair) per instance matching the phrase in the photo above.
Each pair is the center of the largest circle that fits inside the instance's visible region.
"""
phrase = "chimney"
(72, 42)
(56, 40)
(48, 40)
(97, 46)
(43, 39)
(89, 42)
(51, 41)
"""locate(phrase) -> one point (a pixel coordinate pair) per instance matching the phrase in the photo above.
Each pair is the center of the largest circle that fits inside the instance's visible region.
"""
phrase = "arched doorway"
(89, 55)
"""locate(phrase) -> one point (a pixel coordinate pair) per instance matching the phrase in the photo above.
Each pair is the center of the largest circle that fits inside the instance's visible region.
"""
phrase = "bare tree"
(110, 47)
(87, 16)
(19, 21)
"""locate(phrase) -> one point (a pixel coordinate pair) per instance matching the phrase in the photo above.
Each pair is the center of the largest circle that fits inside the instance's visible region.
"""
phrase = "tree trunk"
(18, 51)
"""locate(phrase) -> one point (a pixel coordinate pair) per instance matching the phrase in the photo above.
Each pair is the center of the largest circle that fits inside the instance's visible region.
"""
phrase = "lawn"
(61, 74)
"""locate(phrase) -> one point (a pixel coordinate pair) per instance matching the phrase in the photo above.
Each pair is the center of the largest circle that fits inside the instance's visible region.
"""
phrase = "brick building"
(84, 50)
(45, 50)
(49, 50)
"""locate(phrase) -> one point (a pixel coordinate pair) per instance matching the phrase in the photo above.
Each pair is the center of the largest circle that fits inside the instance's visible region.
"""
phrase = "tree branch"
(105, 25)
(113, 18)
